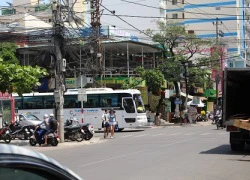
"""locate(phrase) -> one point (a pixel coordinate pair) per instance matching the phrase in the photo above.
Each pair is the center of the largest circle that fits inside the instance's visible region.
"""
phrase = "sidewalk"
(66, 144)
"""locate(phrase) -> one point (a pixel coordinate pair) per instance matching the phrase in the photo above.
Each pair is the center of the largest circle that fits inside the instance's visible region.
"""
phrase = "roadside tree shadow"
(226, 150)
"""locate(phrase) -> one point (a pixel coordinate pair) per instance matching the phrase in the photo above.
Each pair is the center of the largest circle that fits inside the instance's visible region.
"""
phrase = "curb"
(65, 144)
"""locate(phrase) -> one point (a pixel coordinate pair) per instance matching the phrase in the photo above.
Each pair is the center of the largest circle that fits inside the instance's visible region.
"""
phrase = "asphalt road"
(164, 153)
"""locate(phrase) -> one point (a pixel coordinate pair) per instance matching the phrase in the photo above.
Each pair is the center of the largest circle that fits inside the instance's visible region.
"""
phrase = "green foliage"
(131, 83)
(13, 76)
(22, 78)
(8, 53)
(153, 78)
(180, 47)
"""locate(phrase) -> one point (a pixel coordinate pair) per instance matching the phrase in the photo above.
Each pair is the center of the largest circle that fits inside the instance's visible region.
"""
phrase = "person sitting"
(51, 127)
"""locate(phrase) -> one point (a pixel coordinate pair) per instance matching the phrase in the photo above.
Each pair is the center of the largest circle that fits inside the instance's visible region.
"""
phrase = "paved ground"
(98, 138)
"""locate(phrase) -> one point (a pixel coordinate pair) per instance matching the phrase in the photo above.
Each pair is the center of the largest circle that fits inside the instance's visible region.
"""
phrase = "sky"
(125, 8)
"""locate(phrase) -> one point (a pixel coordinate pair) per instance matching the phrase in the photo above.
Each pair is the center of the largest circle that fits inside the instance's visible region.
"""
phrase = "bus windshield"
(139, 103)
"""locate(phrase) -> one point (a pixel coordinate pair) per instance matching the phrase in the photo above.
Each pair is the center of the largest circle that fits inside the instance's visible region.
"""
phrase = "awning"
(184, 95)
(201, 104)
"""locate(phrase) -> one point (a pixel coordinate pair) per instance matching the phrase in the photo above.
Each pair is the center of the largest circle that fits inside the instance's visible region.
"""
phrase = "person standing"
(105, 122)
(157, 119)
(112, 122)
(192, 113)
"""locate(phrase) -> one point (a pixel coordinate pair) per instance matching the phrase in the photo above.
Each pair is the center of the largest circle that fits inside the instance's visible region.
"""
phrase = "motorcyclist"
(218, 115)
(41, 129)
(51, 127)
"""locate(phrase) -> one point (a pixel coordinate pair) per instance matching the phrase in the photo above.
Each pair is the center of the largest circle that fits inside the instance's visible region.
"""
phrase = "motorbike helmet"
(45, 116)
(51, 115)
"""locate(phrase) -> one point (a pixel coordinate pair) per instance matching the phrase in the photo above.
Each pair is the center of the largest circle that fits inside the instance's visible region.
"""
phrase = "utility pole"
(217, 76)
(60, 65)
(96, 40)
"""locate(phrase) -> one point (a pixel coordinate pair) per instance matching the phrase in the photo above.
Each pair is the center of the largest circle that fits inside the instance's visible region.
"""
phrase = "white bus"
(128, 105)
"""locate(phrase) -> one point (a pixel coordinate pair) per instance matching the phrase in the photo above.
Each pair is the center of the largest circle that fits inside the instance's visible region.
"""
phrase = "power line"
(118, 16)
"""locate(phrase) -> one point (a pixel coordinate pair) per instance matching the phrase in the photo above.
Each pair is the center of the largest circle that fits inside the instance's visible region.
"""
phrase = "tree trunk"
(177, 106)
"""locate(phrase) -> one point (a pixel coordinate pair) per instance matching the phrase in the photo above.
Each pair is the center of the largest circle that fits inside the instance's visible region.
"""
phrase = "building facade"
(221, 19)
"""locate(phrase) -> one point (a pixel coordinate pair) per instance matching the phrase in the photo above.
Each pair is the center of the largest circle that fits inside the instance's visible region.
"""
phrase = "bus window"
(33, 102)
(92, 102)
(18, 103)
(70, 101)
(128, 105)
(139, 103)
(49, 102)
(109, 100)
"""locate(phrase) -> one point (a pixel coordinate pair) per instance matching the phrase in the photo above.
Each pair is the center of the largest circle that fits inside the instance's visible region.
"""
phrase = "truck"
(235, 106)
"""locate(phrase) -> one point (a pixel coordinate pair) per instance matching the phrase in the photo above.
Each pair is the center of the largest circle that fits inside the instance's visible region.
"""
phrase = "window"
(109, 100)
(175, 16)
(49, 102)
(92, 102)
(174, 2)
(190, 31)
(183, 16)
(71, 102)
(183, 2)
(129, 105)
(33, 102)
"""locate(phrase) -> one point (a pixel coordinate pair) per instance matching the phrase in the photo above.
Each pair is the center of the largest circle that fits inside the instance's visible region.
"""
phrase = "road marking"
(189, 134)
(126, 136)
(204, 134)
(141, 135)
(133, 153)
(174, 134)
(157, 134)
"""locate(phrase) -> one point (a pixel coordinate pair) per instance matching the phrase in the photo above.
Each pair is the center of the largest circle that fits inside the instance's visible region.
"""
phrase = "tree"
(8, 53)
(15, 77)
(153, 80)
(179, 48)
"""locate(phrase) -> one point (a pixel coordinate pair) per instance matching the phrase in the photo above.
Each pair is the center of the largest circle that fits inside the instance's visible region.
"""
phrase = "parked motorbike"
(201, 117)
(53, 138)
(4, 133)
(73, 131)
(210, 115)
(86, 128)
(21, 132)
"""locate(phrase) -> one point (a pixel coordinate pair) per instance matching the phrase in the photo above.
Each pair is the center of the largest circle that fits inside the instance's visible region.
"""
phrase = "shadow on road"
(226, 150)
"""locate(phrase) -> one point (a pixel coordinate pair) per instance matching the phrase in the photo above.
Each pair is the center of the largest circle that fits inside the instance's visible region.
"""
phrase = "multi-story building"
(246, 30)
(16, 12)
(222, 19)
